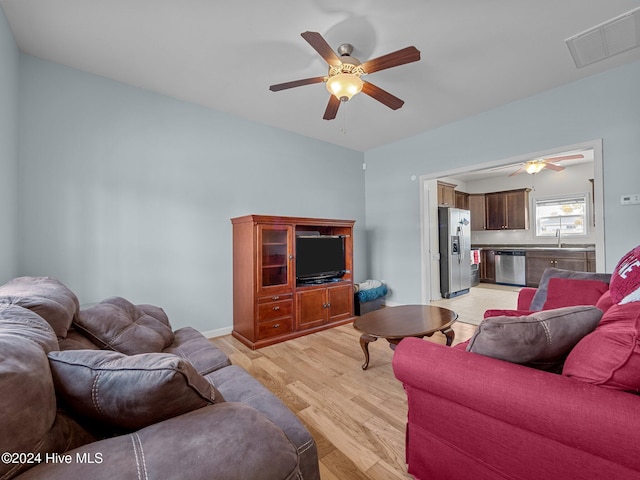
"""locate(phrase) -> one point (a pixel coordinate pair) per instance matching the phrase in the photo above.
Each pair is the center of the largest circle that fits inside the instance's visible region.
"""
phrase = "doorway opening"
(501, 169)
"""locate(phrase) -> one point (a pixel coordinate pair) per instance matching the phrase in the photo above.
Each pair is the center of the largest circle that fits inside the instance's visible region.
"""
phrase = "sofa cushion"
(544, 336)
(191, 345)
(128, 392)
(24, 324)
(229, 441)
(156, 312)
(45, 296)
(76, 341)
(28, 421)
(567, 292)
(540, 296)
(237, 385)
(610, 355)
(117, 324)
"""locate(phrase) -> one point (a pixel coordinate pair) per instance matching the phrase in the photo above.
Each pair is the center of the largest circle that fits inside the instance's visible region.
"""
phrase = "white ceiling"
(476, 54)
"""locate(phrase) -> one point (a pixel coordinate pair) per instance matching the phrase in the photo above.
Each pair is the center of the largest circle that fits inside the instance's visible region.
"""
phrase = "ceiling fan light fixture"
(534, 166)
(344, 85)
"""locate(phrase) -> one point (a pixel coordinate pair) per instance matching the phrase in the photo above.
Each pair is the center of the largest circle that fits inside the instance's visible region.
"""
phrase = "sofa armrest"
(555, 409)
(525, 296)
(226, 440)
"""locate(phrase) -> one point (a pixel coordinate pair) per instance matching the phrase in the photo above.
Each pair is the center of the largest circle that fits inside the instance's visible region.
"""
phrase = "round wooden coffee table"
(396, 323)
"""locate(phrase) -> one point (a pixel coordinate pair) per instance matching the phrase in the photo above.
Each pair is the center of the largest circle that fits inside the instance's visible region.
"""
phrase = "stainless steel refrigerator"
(454, 228)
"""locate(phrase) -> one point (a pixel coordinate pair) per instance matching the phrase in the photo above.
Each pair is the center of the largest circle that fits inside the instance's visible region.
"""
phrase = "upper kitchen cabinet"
(462, 200)
(507, 210)
(477, 209)
(446, 194)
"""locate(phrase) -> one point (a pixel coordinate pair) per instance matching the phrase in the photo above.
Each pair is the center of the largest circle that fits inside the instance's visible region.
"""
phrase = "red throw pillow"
(605, 302)
(568, 292)
(610, 355)
(625, 280)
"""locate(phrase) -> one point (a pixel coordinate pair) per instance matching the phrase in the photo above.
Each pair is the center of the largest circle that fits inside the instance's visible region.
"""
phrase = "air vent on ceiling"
(606, 40)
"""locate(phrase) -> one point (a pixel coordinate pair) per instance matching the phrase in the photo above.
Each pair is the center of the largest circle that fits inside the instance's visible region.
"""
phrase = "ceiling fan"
(535, 166)
(343, 80)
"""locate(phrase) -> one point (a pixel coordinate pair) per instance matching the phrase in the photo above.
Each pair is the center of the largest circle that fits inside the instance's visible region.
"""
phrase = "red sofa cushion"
(610, 355)
(567, 292)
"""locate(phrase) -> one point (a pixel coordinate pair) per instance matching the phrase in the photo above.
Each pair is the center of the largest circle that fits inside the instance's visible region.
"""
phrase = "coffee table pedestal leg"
(365, 339)
(450, 334)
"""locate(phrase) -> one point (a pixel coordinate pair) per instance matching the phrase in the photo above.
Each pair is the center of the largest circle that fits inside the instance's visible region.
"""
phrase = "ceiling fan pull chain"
(343, 130)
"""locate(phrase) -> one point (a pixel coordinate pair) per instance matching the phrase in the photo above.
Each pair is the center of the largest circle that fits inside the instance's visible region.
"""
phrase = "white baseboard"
(219, 332)
(392, 304)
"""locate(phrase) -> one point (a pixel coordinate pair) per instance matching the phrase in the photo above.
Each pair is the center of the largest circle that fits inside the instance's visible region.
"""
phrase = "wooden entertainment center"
(269, 305)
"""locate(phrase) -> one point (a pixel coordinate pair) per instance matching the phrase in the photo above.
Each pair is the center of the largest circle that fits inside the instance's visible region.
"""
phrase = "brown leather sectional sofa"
(112, 392)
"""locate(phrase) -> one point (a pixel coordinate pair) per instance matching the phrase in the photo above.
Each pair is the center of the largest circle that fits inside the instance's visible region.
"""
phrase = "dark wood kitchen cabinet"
(538, 260)
(446, 194)
(508, 210)
(462, 200)
(488, 266)
(477, 209)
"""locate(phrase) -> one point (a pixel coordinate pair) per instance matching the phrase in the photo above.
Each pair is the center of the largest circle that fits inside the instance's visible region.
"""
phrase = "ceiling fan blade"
(399, 57)
(295, 83)
(564, 157)
(382, 96)
(551, 166)
(521, 169)
(503, 167)
(332, 108)
(321, 46)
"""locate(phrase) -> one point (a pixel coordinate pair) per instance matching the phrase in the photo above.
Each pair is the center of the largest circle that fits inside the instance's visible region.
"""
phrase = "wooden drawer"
(272, 310)
(274, 328)
(275, 297)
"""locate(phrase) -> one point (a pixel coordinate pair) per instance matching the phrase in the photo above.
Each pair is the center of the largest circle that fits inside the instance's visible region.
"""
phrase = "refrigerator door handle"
(461, 237)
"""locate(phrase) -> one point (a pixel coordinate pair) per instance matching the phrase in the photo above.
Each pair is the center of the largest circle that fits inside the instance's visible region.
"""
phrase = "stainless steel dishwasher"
(510, 267)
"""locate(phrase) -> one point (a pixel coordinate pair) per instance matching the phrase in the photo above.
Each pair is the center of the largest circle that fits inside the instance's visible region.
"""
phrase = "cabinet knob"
(276, 325)
(290, 257)
(276, 308)
(275, 298)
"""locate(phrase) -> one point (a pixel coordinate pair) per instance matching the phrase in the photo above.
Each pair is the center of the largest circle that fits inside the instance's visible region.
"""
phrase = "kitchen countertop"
(567, 247)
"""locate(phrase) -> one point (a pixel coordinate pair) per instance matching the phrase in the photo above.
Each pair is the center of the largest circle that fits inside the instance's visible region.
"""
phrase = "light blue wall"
(126, 192)
(9, 72)
(605, 106)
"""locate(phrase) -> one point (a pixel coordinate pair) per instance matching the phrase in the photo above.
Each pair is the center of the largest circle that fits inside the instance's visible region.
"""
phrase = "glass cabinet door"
(274, 256)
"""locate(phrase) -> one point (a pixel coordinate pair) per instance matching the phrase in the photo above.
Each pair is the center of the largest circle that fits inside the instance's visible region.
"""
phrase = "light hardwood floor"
(356, 416)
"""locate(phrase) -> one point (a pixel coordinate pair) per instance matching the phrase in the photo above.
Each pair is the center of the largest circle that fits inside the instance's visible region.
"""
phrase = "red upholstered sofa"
(474, 416)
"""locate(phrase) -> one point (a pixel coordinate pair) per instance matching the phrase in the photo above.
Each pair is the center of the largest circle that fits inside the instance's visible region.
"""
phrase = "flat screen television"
(319, 258)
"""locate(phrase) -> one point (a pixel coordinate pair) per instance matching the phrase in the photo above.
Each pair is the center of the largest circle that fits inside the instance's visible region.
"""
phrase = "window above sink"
(565, 216)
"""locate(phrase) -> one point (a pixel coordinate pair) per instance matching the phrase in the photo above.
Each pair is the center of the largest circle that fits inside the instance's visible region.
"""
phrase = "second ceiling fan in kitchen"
(535, 166)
